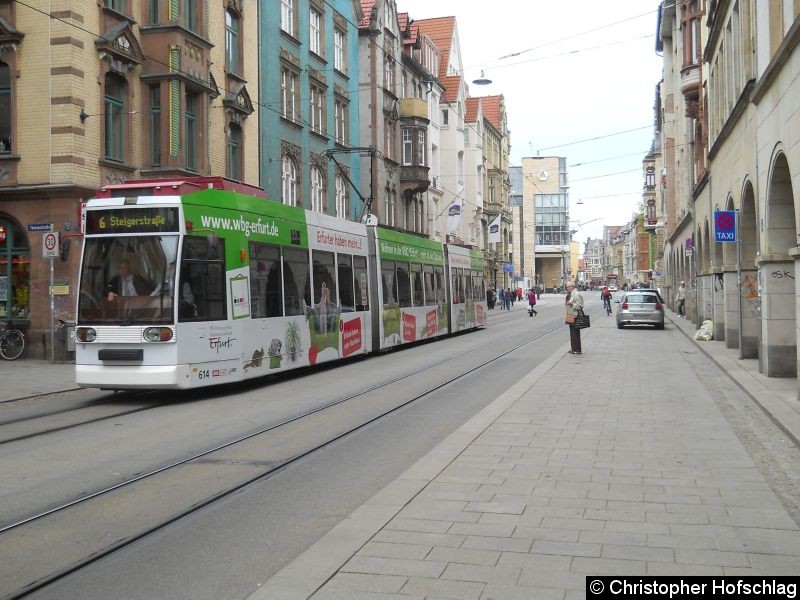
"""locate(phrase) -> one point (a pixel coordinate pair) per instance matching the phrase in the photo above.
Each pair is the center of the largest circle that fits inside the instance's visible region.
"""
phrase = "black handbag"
(582, 320)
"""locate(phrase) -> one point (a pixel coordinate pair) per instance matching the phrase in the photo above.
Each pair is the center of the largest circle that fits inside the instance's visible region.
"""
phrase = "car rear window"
(642, 298)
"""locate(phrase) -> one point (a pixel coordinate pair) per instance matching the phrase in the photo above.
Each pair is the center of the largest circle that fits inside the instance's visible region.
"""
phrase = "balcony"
(413, 108)
(690, 88)
(414, 178)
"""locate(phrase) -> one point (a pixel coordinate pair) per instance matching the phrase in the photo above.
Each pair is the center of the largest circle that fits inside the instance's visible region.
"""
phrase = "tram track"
(249, 458)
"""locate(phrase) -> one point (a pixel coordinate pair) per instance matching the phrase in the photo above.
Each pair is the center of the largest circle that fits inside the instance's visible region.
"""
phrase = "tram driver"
(125, 283)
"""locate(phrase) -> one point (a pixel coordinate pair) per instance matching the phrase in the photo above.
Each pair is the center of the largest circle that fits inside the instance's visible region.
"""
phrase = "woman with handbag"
(574, 303)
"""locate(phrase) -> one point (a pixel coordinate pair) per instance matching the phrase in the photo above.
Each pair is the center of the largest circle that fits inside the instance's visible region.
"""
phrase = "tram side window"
(344, 269)
(389, 283)
(467, 279)
(403, 285)
(265, 281)
(439, 289)
(296, 281)
(427, 276)
(416, 285)
(458, 292)
(361, 282)
(324, 278)
(478, 287)
(202, 285)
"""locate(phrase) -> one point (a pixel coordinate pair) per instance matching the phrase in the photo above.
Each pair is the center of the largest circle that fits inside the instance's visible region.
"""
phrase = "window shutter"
(174, 100)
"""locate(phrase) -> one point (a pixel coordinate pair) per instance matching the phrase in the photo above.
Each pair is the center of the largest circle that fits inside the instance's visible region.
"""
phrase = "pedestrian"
(489, 298)
(681, 299)
(501, 298)
(519, 294)
(510, 297)
(539, 291)
(574, 304)
(532, 303)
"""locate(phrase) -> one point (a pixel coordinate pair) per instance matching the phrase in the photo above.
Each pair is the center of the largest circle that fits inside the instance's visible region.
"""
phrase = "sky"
(578, 71)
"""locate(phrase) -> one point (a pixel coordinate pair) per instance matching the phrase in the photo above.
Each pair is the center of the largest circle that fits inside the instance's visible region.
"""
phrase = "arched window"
(5, 108)
(317, 190)
(341, 197)
(232, 41)
(289, 181)
(234, 166)
(115, 95)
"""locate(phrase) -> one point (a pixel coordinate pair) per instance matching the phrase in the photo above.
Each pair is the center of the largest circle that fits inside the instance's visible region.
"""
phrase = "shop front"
(15, 274)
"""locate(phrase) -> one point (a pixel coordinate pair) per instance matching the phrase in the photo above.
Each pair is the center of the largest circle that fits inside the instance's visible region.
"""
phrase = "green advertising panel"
(477, 260)
(242, 219)
(393, 245)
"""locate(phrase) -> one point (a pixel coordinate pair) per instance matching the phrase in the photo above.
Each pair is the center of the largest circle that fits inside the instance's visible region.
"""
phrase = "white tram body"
(182, 288)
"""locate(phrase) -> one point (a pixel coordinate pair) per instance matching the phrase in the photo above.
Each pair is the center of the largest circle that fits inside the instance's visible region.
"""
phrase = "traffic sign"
(725, 225)
(40, 227)
(50, 244)
(658, 274)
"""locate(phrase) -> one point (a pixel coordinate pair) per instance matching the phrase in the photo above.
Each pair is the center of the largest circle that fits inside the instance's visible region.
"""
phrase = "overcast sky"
(565, 85)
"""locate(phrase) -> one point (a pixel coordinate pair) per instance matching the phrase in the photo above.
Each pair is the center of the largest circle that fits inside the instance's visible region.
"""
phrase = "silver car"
(641, 307)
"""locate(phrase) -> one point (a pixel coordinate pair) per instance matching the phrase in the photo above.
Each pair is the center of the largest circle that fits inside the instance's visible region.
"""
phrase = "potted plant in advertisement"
(293, 343)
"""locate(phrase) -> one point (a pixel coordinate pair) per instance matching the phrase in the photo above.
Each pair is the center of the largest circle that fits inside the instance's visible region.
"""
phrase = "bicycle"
(607, 305)
(12, 343)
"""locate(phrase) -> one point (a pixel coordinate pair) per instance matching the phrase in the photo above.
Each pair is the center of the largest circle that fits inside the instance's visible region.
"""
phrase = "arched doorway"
(777, 272)
(15, 273)
(748, 275)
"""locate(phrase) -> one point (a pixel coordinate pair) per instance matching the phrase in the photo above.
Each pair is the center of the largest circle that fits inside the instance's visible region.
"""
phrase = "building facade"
(308, 68)
(545, 213)
(745, 160)
(104, 92)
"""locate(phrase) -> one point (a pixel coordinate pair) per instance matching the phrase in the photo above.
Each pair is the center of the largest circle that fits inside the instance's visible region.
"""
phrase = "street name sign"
(40, 227)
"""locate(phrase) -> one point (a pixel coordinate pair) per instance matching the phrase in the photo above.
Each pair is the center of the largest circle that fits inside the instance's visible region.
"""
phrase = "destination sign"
(133, 220)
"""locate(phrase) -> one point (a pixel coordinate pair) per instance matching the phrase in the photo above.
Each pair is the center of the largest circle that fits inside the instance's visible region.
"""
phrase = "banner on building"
(494, 230)
(454, 212)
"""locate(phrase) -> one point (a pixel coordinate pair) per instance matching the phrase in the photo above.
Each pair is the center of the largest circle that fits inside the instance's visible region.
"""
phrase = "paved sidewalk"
(618, 461)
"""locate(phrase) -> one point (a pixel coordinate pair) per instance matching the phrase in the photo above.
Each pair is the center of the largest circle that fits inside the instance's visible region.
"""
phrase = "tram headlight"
(157, 334)
(86, 334)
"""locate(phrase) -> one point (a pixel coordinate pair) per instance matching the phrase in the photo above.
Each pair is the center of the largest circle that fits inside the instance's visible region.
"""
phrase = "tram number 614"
(204, 374)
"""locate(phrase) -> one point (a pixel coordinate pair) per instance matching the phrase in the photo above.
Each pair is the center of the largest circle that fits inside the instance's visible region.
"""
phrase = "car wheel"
(620, 326)
(660, 326)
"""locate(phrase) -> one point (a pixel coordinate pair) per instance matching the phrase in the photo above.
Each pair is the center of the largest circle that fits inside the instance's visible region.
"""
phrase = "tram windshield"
(128, 280)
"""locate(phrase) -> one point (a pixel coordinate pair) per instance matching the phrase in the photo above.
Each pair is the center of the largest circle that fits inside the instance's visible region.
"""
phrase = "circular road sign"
(725, 222)
(50, 241)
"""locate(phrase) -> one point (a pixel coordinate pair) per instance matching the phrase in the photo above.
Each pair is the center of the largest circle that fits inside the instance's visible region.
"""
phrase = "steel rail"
(273, 470)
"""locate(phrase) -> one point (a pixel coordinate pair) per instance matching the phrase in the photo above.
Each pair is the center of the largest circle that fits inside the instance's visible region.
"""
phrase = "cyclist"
(606, 297)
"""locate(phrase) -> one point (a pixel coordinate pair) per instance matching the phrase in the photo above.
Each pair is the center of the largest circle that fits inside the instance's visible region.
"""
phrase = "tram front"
(129, 300)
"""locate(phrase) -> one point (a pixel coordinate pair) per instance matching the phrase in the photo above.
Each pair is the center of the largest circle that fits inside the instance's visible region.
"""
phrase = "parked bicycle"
(12, 342)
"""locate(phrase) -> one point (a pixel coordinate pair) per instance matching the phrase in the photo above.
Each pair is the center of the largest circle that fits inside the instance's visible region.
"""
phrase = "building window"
(6, 103)
(155, 125)
(287, 16)
(155, 9)
(388, 74)
(315, 32)
(289, 181)
(445, 117)
(338, 50)
(408, 146)
(192, 130)
(389, 134)
(317, 109)
(117, 5)
(116, 91)
(421, 147)
(317, 190)
(340, 115)
(390, 205)
(234, 166)
(190, 15)
(232, 42)
(288, 94)
(341, 197)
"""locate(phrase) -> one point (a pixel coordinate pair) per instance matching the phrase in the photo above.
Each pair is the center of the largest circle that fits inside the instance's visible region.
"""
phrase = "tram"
(204, 281)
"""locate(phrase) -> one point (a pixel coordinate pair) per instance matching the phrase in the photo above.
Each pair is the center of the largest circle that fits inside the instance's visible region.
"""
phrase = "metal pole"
(52, 315)
(739, 281)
